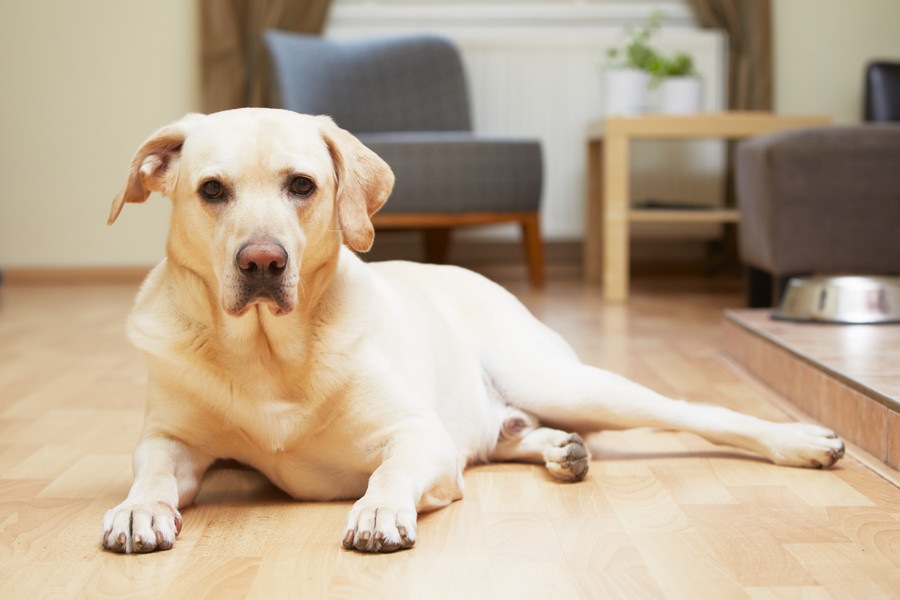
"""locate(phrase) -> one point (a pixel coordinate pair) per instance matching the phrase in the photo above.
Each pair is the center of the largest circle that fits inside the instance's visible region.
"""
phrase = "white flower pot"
(681, 95)
(624, 91)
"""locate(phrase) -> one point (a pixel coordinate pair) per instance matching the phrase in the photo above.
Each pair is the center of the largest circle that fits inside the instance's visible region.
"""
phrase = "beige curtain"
(234, 62)
(748, 24)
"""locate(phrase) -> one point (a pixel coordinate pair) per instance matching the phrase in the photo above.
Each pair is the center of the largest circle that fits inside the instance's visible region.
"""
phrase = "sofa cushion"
(823, 200)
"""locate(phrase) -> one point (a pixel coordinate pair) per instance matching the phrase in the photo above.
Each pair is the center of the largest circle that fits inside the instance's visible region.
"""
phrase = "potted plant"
(638, 67)
(626, 77)
(681, 89)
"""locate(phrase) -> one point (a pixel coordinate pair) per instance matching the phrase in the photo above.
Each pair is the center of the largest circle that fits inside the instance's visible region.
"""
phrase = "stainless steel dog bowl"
(843, 299)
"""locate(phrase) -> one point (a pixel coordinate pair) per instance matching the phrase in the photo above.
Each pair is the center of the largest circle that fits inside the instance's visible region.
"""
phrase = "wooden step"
(844, 376)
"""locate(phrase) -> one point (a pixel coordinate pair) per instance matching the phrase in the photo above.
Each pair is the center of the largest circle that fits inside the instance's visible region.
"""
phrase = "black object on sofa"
(882, 101)
(406, 98)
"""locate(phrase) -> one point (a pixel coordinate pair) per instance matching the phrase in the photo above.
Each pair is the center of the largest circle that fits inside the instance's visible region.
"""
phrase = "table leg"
(615, 217)
(593, 235)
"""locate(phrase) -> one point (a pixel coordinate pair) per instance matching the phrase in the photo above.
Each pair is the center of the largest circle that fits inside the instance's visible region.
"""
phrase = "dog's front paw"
(378, 527)
(804, 445)
(568, 458)
(135, 527)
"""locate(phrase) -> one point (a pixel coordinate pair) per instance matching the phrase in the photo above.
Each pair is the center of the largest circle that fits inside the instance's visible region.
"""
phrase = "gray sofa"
(818, 201)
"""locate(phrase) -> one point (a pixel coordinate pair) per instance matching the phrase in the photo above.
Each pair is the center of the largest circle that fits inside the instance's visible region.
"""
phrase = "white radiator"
(537, 74)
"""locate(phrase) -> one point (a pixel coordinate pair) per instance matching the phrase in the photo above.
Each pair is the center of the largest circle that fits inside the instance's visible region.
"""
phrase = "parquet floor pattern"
(661, 515)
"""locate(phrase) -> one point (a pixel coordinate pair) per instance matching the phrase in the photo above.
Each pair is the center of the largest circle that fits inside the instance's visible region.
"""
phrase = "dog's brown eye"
(302, 186)
(212, 190)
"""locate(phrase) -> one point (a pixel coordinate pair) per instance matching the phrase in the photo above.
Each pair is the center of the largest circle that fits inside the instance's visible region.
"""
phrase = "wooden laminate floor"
(661, 515)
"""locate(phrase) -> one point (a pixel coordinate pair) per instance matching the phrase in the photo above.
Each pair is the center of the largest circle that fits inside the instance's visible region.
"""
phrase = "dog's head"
(260, 197)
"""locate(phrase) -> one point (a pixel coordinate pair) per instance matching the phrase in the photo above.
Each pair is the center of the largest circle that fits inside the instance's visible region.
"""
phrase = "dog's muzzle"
(262, 260)
(262, 265)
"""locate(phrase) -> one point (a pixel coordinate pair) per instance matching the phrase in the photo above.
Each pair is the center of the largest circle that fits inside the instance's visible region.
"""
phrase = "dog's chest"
(300, 449)
(274, 425)
(268, 416)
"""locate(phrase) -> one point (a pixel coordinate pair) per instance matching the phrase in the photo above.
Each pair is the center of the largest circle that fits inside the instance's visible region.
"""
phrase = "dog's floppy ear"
(364, 182)
(152, 165)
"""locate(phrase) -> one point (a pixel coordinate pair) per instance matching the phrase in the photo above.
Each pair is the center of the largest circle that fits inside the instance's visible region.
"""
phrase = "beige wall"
(83, 84)
(821, 49)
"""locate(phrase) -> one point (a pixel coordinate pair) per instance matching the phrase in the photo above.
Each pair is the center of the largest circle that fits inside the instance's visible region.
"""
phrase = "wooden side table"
(609, 213)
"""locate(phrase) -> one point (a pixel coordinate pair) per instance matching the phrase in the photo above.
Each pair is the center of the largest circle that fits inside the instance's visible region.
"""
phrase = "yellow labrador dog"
(269, 342)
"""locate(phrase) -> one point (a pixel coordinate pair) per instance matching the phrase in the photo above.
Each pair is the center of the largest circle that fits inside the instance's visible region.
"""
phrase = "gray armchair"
(406, 99)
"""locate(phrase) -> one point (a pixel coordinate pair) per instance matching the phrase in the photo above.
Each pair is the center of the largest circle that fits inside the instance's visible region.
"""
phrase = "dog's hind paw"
(803, 445)
(568, 459)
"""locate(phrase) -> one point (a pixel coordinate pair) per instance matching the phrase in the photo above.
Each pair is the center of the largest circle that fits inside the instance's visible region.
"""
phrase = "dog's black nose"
(262, 259)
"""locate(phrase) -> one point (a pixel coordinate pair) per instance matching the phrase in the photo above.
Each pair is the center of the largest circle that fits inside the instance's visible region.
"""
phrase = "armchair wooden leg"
(534, 250)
